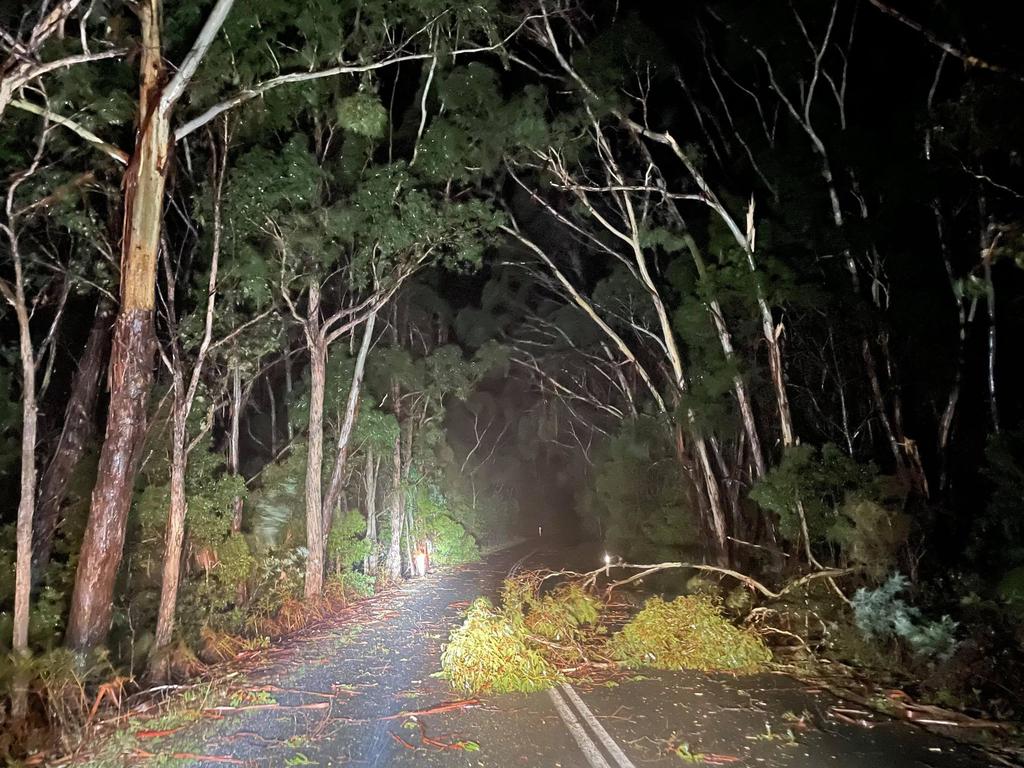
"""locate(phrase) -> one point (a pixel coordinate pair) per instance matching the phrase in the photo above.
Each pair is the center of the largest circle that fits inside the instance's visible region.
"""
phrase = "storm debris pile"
(534, 640)
(491, 653)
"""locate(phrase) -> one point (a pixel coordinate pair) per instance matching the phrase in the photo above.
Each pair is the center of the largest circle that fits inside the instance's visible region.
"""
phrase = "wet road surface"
(343, 696)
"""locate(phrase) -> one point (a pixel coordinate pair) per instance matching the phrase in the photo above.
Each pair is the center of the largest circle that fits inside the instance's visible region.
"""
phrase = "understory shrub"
(1011, 589)
(446, 519)
(881, 614)
(687, 633)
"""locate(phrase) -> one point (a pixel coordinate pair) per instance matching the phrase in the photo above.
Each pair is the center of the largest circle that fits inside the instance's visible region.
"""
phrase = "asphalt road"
(343, 694)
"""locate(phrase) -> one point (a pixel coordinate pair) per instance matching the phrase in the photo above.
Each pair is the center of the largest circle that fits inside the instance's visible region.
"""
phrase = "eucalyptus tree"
(242, 69)
(631, 209)
(22, 296)
(806, 62)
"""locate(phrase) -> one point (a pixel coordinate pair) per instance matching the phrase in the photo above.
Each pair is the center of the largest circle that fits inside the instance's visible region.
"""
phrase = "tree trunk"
(78, 430)
(100, 554)
(131, 365)
(725, 339)
(173, 537)
(289, 385)
(345, 433)
(234, 442)
(315, 441)
(27, 501)
(273, 416)
(719, 524)
(949, 412)
(370, 481)
(988, 243)
(393, 561)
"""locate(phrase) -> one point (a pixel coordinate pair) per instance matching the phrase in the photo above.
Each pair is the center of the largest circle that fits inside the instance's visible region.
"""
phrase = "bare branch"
(967, 58)
(116, 153)
(204, 40)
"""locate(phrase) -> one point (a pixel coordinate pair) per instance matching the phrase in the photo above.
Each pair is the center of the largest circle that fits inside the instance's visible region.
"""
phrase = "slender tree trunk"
(392, 571)
(949, 412)
(987, 246)
(409, 537)
(27, 501)
(174, 537)
(131, 366)
(370, 481)
(719, 524)
(334, 487)
(75, 435)
(234, 441)
(314, 505)
(876, 391)
(289, 386)
(273, 416)
(184, 397)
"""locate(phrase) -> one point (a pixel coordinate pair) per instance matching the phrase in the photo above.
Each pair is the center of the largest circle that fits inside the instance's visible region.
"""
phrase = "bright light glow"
(420, 563)
(607, 559)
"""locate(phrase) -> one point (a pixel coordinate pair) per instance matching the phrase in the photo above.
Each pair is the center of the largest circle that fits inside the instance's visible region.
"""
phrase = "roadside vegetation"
(297, 295)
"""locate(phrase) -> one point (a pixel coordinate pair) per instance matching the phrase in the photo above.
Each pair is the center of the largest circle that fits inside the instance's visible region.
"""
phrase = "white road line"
(609, 743)
(587, 746)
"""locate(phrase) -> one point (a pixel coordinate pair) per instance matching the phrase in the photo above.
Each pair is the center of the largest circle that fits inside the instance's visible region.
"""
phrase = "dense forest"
(293, 288)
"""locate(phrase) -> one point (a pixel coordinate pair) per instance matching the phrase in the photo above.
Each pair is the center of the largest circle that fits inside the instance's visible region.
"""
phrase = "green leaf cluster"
(687, 633)
(489, 653)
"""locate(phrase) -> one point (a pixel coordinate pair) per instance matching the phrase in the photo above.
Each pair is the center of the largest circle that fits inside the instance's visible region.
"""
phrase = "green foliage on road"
(522, 645)
(492, 653)
(532, 640)
(687, 633)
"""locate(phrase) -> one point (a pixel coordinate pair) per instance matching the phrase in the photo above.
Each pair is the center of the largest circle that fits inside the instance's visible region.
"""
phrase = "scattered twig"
(250, 707)
(402, 741)
(143, 754)
(446, 707)
(156, 734)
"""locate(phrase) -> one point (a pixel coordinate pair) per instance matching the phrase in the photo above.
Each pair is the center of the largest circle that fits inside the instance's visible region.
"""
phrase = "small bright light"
(607, 559)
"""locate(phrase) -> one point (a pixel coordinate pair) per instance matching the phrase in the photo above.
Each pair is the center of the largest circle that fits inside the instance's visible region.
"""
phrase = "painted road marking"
(587, 746)
(590, 749)
(609, 743)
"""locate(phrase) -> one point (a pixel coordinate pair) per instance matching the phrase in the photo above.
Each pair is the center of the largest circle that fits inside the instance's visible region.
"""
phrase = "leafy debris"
(687, 633)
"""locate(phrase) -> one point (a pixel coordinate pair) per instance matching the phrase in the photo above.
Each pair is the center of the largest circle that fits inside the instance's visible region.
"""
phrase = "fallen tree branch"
(644, 570)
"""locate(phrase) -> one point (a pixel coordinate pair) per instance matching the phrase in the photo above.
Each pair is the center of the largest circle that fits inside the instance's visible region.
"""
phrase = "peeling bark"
(131, 365)
(78, 430)
(131, 375)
